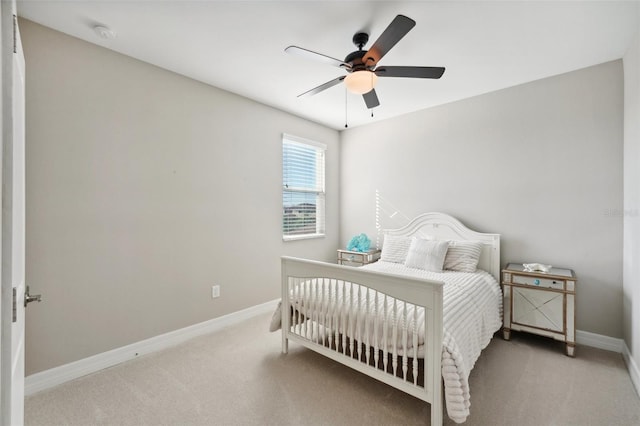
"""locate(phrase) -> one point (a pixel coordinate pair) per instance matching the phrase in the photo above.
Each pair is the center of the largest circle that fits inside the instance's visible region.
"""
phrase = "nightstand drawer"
(355, 258)
(538, 282)
(352, 257)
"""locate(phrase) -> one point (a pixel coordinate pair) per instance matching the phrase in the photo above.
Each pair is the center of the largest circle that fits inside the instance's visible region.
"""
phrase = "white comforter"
(472, 309)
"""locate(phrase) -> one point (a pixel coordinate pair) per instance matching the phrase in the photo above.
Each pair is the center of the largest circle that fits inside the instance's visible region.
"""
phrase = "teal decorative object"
(360, 243)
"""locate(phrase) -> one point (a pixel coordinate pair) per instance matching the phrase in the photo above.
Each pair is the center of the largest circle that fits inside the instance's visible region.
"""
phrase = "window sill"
(302, 237)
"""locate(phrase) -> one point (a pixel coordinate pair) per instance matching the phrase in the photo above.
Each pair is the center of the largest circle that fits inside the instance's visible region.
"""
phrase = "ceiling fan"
(362, 66)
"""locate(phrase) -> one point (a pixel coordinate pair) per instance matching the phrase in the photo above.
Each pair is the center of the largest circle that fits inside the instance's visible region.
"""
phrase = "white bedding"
(472, 310)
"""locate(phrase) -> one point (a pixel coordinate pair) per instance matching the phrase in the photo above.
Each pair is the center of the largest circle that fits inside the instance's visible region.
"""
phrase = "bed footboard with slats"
(386, 326)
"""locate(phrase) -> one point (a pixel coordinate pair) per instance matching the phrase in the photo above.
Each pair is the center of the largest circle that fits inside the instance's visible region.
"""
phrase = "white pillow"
(463, 256)
(426, 254)
(395, 248)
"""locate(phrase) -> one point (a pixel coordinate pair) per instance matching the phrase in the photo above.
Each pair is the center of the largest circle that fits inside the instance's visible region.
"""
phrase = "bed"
(402, 320)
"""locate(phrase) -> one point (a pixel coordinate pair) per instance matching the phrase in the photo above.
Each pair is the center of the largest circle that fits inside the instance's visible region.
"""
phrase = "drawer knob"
(536, 281)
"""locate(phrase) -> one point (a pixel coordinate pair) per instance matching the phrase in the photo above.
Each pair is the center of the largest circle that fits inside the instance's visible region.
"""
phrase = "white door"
(13, 220)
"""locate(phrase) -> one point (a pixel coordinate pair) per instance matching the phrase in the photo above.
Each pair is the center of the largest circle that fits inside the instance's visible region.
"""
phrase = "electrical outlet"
(215, 291)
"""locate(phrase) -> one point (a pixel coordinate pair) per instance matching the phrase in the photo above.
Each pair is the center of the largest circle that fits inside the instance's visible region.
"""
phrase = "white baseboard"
(599, 341)
(64, 373)
(615, 345)
(634, 371)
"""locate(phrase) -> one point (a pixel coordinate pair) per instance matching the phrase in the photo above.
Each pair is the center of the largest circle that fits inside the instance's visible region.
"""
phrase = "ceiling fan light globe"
(360, 82)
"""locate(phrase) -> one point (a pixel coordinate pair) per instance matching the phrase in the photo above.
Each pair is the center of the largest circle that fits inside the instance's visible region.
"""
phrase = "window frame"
(320, 190)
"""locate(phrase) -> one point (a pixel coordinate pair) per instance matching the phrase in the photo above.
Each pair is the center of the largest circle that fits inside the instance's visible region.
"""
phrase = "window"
(302, 188)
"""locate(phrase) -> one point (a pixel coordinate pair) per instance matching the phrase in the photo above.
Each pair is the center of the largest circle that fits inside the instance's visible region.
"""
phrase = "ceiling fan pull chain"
(345, 108)
(372, 85)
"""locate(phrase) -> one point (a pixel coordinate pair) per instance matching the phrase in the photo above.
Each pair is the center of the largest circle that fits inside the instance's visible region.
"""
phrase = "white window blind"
(303, 193)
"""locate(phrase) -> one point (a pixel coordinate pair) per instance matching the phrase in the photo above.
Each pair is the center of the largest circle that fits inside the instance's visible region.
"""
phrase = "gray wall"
(539, 163)
(631, 304)
(145, 188)
(136, 178)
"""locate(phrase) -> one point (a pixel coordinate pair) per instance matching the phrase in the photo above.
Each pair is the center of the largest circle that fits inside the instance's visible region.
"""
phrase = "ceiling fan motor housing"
(355, 58)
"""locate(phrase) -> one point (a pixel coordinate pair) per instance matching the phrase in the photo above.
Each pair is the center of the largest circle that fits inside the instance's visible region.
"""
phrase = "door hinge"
(15, 305)
(15, 34)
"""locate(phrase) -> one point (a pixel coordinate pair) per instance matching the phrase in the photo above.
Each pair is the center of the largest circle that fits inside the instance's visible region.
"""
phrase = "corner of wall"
(631, 265)
(632, 366)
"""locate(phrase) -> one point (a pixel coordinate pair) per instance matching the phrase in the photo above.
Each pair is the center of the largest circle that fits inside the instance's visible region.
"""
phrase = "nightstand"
(356, 258)
(541, 303)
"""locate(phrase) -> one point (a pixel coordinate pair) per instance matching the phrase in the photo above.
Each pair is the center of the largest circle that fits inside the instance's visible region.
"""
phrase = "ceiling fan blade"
(397, 29)
(322, 87)
(411, 72)
(295, 50)
(371, 99)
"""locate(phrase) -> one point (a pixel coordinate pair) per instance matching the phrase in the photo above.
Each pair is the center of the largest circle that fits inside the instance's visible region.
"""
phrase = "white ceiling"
(239, 45)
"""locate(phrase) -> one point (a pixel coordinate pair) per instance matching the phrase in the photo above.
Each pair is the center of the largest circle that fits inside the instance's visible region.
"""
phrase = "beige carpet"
(238, 377)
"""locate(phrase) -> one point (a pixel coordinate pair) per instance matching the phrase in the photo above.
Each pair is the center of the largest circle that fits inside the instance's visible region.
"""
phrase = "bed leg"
(437, 406)
(506, 333)
(285, 343)
(436, 414)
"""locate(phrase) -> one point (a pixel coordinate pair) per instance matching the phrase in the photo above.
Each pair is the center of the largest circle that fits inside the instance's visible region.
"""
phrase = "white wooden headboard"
(441, 226)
